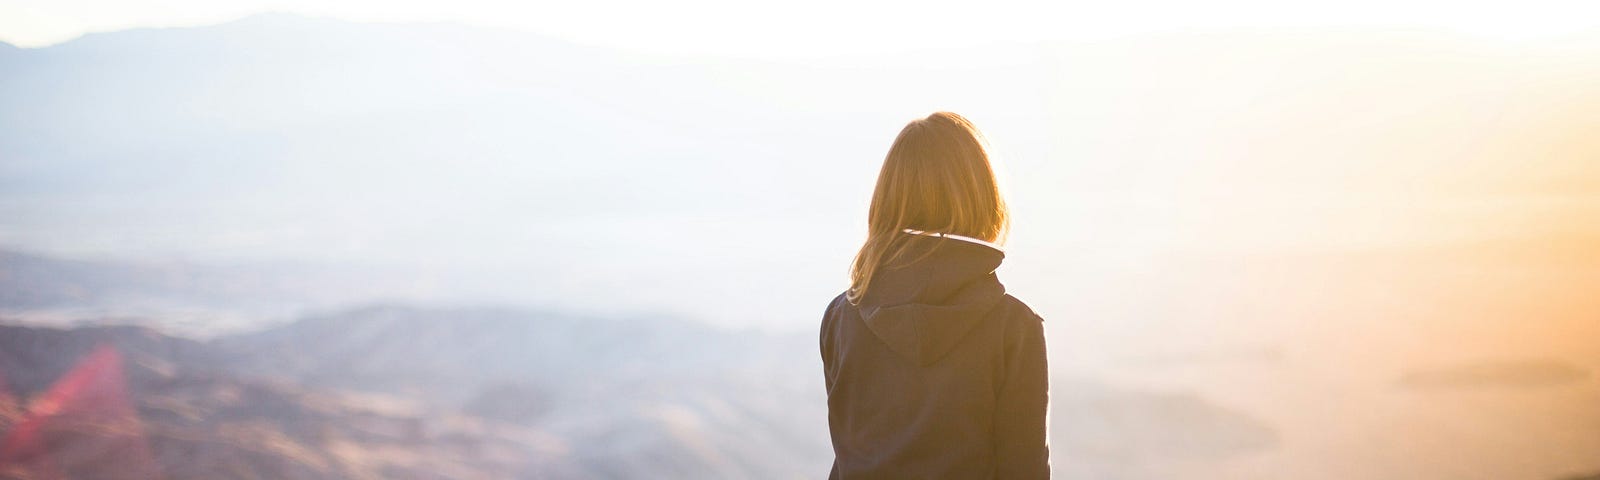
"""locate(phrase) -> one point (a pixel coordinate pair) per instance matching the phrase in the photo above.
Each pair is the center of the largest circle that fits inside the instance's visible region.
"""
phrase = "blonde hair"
(936, 178)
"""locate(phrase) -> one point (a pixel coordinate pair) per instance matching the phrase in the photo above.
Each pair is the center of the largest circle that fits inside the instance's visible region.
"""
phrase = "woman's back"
(936, 372)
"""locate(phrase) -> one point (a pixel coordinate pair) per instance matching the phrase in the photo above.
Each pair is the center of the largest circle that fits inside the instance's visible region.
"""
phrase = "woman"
(932, 370)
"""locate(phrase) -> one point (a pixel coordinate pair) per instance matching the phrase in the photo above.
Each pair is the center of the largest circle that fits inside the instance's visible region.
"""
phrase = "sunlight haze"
(827, 27)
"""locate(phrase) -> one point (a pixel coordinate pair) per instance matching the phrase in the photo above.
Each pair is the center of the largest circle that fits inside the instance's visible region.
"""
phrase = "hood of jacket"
(924, 309)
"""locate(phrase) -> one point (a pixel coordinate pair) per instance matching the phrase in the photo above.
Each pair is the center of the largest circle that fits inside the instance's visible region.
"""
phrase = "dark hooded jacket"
(937, 373)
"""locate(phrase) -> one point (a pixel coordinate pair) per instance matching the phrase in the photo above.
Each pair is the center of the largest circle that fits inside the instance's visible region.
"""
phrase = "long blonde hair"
(936, 178)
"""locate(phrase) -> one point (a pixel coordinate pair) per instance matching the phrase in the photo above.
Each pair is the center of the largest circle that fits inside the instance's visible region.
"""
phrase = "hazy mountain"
(35, 357)
(198, 421)
(1513, 374)
(205, 410)
(191, 298)
(445, 354)
(486, 393)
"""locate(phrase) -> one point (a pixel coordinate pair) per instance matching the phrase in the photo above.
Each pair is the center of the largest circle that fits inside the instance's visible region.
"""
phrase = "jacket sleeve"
(825, 345)
(1021, 445)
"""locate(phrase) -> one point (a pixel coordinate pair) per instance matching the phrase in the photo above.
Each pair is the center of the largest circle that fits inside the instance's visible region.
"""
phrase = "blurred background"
(475, 239)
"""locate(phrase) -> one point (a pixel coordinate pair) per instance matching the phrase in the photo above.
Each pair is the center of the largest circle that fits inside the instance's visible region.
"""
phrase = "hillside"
(492, 393)
(197, 421)
(206, 413)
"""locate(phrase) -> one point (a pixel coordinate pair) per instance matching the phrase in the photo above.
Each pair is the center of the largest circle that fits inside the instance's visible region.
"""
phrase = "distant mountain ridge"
(189, 298)
(423, 392)
(404, 384)
(201, 422)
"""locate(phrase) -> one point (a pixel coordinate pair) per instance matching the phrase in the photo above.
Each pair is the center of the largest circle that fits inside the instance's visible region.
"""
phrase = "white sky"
(815, 27)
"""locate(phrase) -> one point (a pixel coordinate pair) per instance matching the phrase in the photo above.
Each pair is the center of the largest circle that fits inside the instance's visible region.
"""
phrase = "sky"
(821, 27)
(1132, 149)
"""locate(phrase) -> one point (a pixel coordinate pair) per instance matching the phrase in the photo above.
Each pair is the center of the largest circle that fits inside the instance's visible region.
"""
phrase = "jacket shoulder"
(838, 300)
(1015, 309)
(834, 307)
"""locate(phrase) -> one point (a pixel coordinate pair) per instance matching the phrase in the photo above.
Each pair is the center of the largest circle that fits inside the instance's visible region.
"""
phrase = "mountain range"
(395, 391)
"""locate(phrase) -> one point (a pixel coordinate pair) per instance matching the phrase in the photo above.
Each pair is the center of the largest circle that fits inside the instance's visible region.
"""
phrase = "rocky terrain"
(407, 392)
